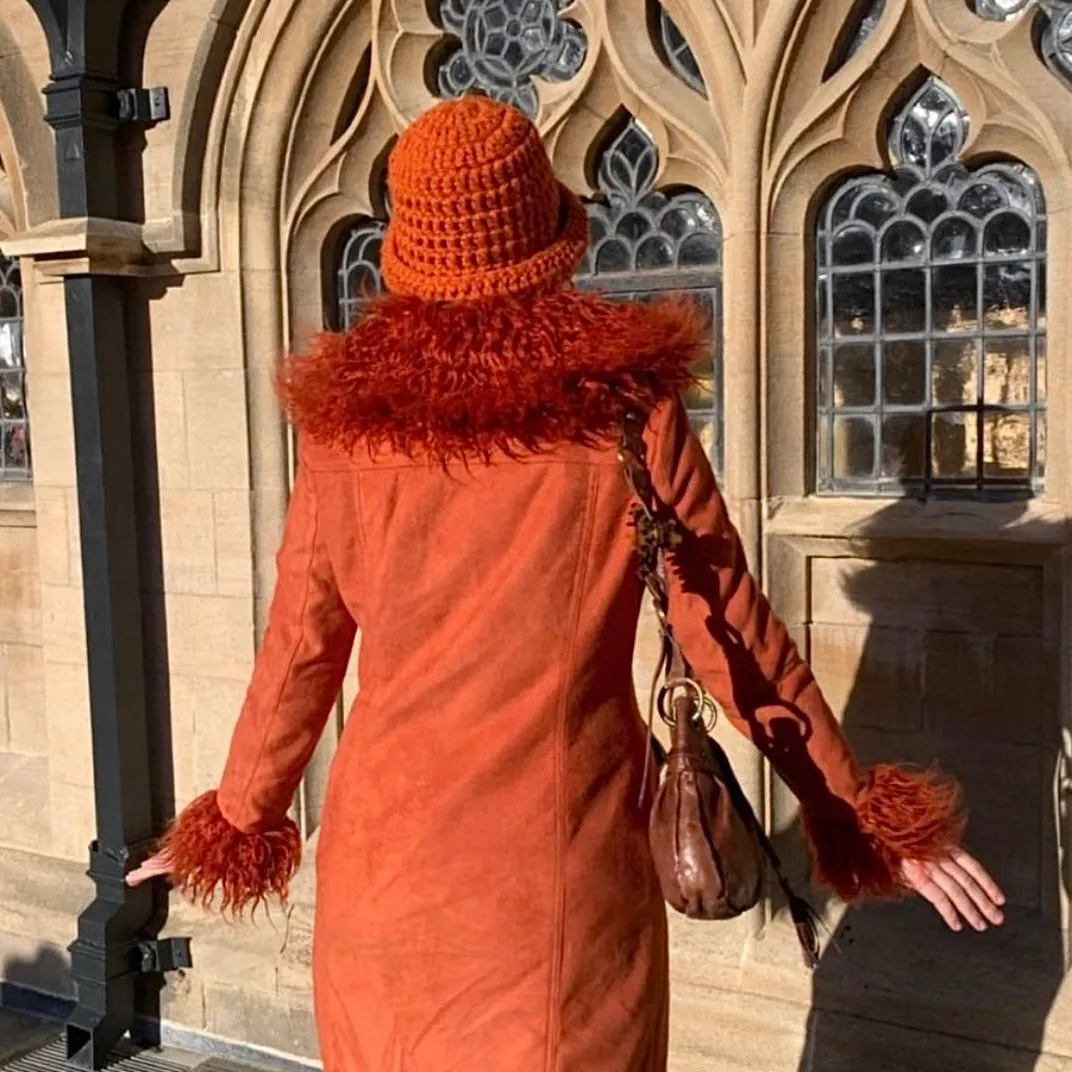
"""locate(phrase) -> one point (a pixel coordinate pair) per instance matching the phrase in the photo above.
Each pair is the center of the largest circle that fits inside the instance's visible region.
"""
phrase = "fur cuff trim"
(515, 374)
(900, 814)
(210, 857)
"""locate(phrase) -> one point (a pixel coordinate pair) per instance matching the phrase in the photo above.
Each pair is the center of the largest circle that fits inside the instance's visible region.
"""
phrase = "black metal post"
(108, 955)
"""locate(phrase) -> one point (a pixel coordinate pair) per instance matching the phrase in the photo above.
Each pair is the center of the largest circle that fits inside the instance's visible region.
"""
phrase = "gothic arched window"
(931, 319)
(357, 277)
(675, 48)
(647, 241)
(14, 420)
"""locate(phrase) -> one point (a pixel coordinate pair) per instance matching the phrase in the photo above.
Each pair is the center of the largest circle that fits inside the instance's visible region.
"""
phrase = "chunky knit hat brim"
(546, 270)
(476, 209)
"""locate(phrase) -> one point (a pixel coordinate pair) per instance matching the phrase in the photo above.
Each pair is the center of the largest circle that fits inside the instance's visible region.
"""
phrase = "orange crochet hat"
(476, 211)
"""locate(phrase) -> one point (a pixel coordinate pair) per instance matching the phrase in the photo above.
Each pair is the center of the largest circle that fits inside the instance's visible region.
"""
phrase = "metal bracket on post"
(163, 955)
(144, 106)
(105, 960)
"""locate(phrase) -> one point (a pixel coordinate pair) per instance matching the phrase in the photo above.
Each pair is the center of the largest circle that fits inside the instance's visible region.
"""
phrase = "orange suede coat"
(486, 897)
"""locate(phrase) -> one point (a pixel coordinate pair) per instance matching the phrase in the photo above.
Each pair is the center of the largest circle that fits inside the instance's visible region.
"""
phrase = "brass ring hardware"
(706, 710)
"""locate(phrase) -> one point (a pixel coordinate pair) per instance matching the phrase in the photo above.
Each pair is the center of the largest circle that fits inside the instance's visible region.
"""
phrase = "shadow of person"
(30, 1015)
(930, 649)
(948, 653)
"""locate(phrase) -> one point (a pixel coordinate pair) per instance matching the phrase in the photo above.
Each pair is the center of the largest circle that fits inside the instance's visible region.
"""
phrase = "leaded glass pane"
(863, 22)
(14, 416)
(1056, 39)
(930, 319)
(679, 56)
(647, 241)
(502, 45)
(870, 15)
(358, 274)
(998, 10)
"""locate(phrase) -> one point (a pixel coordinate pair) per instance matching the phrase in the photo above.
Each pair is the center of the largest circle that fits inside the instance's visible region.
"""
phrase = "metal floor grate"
(127, 1058)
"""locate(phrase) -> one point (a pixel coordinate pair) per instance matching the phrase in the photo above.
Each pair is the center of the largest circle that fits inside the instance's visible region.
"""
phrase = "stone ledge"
(24, 800)
(18, 505)
(82, 245)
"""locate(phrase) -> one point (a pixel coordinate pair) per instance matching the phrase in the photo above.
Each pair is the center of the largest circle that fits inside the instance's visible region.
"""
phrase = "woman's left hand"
(959, 888)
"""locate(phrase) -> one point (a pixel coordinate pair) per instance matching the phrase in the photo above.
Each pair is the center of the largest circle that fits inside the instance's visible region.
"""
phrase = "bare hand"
(958, 887)
(157, 866)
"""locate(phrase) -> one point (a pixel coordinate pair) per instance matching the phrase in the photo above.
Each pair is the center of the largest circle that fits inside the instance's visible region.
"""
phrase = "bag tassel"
(807, 922)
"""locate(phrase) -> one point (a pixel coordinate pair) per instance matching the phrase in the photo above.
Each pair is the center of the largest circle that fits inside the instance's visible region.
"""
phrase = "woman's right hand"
(958, 887)
(158, 865)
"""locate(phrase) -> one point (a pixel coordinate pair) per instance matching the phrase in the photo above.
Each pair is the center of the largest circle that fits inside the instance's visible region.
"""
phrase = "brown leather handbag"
(711, 853)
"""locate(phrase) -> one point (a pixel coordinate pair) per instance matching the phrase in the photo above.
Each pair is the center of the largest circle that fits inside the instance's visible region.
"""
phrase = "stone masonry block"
(234, 556)
(70, 748)
(53, 429)
(217, 442)
(25, 680)
(73, 821)
(63, 624)
(53, 538)
(188, 541)
(870, 676)
(210, 636)
(197, 326)
(936, 596)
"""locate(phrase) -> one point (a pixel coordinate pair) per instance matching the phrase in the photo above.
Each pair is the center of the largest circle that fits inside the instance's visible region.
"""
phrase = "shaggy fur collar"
(460, 381)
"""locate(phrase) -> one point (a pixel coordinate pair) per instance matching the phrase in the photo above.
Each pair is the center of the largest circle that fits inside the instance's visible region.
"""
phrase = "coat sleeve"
(860, 824)
(237, 841)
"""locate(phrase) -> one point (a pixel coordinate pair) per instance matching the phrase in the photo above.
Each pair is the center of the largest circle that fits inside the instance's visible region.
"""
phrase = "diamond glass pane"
(646, 241)
(501, 46)
(930, 318)
(14, 417)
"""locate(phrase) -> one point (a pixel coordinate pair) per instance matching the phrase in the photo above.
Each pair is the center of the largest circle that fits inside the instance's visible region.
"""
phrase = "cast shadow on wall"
(40, 981)
(948, 659)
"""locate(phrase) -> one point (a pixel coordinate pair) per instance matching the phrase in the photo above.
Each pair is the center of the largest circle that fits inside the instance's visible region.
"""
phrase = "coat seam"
(554, 1010)
(362, 538)
(277, 705)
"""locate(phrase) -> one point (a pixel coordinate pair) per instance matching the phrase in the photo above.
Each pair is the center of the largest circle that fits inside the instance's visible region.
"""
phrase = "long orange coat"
(486, 897)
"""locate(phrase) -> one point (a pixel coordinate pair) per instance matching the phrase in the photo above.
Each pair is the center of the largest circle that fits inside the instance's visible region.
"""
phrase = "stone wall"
(197, 579)
(23, 740)
(937, 628)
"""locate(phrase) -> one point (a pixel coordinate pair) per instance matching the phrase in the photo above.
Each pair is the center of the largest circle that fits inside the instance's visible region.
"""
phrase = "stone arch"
(191, 231)
(26, 145)
(247, 151)
(28, 196)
